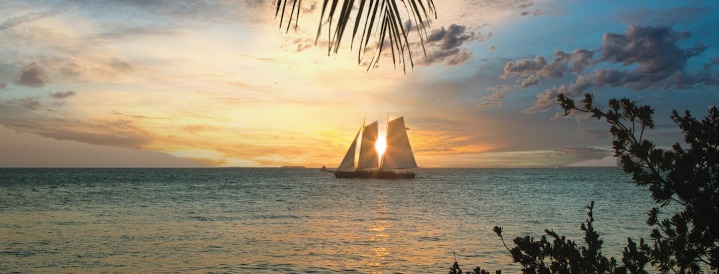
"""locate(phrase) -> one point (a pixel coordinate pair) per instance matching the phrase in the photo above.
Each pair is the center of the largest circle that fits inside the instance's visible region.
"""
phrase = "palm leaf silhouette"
(381, 18)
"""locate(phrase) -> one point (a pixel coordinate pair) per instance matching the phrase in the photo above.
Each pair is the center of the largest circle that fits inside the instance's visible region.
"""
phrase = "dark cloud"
(537, 12)
(120, 65)
(525, 5)
(666, 17)
(444, 45)
(27, 103)
(2, 85)
(70, 70)
(530, 71)
(578, 60)
(408, 26)
(30, 115)
(62, 95)
(451, 37)
(448, 57)
(33, 16)
(653, 49)
(640, 58)
(32, 76)
(120, 133)
(525, 66)
(115, 112)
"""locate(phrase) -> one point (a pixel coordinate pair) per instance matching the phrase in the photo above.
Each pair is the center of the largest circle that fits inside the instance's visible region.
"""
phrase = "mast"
(356, 151)
(386, 143)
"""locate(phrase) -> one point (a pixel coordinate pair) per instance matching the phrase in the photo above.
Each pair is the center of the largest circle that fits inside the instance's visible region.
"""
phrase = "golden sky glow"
(219, 84)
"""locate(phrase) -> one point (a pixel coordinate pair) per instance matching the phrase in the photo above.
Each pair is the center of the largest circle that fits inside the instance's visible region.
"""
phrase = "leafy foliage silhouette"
(685, 176)
(557, 254)
(685, 242)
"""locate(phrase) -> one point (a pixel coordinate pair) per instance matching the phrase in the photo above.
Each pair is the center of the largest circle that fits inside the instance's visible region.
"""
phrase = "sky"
(161, 83)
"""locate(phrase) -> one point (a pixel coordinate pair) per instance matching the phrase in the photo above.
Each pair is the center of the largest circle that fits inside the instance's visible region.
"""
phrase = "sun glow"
(381, 145)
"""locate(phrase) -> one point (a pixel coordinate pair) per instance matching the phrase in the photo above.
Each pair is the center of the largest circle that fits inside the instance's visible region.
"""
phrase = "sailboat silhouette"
(397, 162)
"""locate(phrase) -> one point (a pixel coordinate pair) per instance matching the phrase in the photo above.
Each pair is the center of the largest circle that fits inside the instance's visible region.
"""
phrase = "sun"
(380, 145)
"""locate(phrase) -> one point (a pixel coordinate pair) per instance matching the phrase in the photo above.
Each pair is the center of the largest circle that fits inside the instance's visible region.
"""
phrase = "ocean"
(275, 220)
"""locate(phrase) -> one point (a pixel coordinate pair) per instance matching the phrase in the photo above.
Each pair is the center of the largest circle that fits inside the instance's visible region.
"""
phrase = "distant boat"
(397, 161)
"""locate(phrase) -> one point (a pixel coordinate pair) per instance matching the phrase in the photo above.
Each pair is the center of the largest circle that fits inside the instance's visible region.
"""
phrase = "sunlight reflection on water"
(302, 221)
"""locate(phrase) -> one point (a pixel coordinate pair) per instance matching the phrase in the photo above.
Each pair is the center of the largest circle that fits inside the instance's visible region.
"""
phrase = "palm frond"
(382, 18)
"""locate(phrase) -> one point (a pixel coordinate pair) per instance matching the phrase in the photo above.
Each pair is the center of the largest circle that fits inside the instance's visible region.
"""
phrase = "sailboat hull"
(375, 174)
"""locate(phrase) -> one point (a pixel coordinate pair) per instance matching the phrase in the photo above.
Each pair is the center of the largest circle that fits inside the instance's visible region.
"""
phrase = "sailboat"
(396, 162)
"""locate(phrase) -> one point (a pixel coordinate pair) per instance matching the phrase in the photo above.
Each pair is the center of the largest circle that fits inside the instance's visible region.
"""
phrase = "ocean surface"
(273, 220)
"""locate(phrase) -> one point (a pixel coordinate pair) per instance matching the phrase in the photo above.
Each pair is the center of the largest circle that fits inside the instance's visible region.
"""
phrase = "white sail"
(348, 162)
(399, 153)
(368, 154)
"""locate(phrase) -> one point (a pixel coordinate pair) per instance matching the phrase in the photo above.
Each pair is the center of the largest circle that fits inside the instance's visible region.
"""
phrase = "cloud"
(640, 45)
(197, 10)
(32, 116)
(32, 76)
(451, 37)
(499, 92)
(448, 57)
(27, 103)
(30, 150)
(2, 85)
(548, 98)
(495, 99)
(590, 133)
(120, 65)
(33, 16)
(531, 71)
(666, 17)
(545, 100)
(303, 44)
(489, 104)
(640, 58)
(120, 133)
(62, 95)
(585, 153)
(444, 45)
(134, 32)
(653, 49)
(536, 12)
